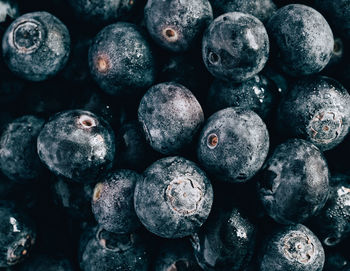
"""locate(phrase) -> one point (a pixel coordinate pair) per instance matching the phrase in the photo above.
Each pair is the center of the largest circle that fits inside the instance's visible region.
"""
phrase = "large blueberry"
(235, 47)
(170, 116)
(294, 182)
(113, 202)
(36, 46)
(301, 39)
(174, 198)
(176, 25)
(121, 59)
(78, 145)
(292, 248)
(233, 144)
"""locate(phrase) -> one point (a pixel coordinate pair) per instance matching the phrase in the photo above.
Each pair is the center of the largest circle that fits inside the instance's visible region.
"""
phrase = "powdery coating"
(261, 9)
(235, 47)
(294, 183)
(292, 248)
(17, 235)
(19, 160)
(177, 24)
(121, 59)
(170, 116)
(316, 109)
(176, 255)
(77, 145)
(168, 210)
(36, 46)
(41, 262)
(242, 144)
(74, 198)
(8, 8)
(258, 94)
(301, 40)
(332, 224)
(226, 242)
(337, 13)
(113, 202)
(102, 11)
(109, 252)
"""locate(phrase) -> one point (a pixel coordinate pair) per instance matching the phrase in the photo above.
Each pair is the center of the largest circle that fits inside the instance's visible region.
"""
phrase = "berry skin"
(176, 255)
(226, 241)
(294, 182)
(17, 235)
(19, 160)
(36, 46)
(170, 116)
(176, 25)
(301, 39)
(121, 59)
(261, 9)
(8, 12)
(258, 94)
(331, 224)
(235, 47)
(102, 11)
(77, 145)
(106, 251)
(233, 144)
(42, 262)
(174, 198)
(74, 198)
(292, 248)
(317, 109)
(113, 202)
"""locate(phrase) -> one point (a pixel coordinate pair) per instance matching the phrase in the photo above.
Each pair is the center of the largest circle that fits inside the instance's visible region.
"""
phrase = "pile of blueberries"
(174, 135)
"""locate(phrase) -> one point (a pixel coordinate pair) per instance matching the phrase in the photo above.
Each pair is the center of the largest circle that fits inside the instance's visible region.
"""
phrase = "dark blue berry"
(294, 182)
(78, 145)
(121, 59)
(301, 40)
(233, 144)
(36, 46)
(170, 116)
(235, 47)
(176, 25)
(113, 202)
(174, 198)
(19, 160)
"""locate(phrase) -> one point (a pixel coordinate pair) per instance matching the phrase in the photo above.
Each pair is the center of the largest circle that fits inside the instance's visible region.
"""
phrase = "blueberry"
(317, 109)
(74, 198)
(19, 160)
(78, 145)
(134, 151)
(258, 94)
(17, 235)
(235, 47)
(301, 39)
(294, 182)
(331, 224)
(176, 255)
(174, 198)
(102, 11)
(43, 262)
(113, 202)
(261, 9)
(121, 59)
(36, 46)
(233, 144)
(107, 251)
(336, 262)
(170, 116)
(292, 248)
(176, 25)
(337, 13)
(225, 242)
(9, 11)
